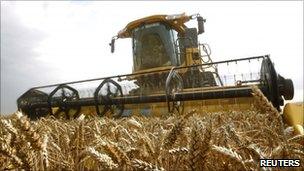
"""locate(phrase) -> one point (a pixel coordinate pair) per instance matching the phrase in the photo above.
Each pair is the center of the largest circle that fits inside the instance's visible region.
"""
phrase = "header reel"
(118, 95)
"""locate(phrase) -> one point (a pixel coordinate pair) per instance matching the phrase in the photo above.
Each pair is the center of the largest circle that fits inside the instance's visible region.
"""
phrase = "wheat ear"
(139, 164)
(8, 125)
(176, 130)
(233, 135)
(230, 154)
(133, 123)
(267, 106)
(263, 102)
(179, 151)
(116, 153)
(297, 139)
(32, 136)
(103, 159)
(8, 152)
(199, 146)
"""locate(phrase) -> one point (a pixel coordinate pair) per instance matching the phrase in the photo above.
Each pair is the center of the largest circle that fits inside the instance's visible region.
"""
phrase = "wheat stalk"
(44, 151)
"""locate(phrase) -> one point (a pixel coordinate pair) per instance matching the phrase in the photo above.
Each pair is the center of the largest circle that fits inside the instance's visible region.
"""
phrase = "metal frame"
(148, 72)
(120, 101)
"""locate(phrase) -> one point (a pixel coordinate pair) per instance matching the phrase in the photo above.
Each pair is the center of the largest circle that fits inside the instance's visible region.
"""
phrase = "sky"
(54, 41)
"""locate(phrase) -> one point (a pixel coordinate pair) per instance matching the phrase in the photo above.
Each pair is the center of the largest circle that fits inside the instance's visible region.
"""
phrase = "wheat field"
(194, 141)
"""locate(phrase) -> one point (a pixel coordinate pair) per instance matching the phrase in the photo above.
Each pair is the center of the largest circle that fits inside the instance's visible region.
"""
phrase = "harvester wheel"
(107, 90)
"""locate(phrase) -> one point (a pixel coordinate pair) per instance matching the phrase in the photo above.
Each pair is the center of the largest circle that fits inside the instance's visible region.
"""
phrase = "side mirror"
(112, 44)
(200, 23)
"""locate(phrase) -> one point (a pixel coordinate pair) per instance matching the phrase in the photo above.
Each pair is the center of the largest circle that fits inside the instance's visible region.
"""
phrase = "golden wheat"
(215, 141)
(103, 159)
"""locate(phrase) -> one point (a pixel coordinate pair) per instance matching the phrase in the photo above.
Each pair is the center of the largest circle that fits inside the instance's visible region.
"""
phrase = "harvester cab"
(161, 41)
(172, 72)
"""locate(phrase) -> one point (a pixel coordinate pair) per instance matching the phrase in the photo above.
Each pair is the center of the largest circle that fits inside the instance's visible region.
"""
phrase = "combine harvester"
(172, 72)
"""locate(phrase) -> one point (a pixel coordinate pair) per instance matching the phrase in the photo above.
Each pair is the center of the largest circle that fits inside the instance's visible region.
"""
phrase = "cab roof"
(176, 22)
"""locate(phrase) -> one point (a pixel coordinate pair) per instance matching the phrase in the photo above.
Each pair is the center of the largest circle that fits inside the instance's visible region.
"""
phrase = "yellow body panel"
(190, 53)
(293, 114)
(161, 109)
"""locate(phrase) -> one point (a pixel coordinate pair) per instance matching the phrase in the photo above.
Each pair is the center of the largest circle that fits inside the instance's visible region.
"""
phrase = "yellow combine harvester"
(172, 72)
